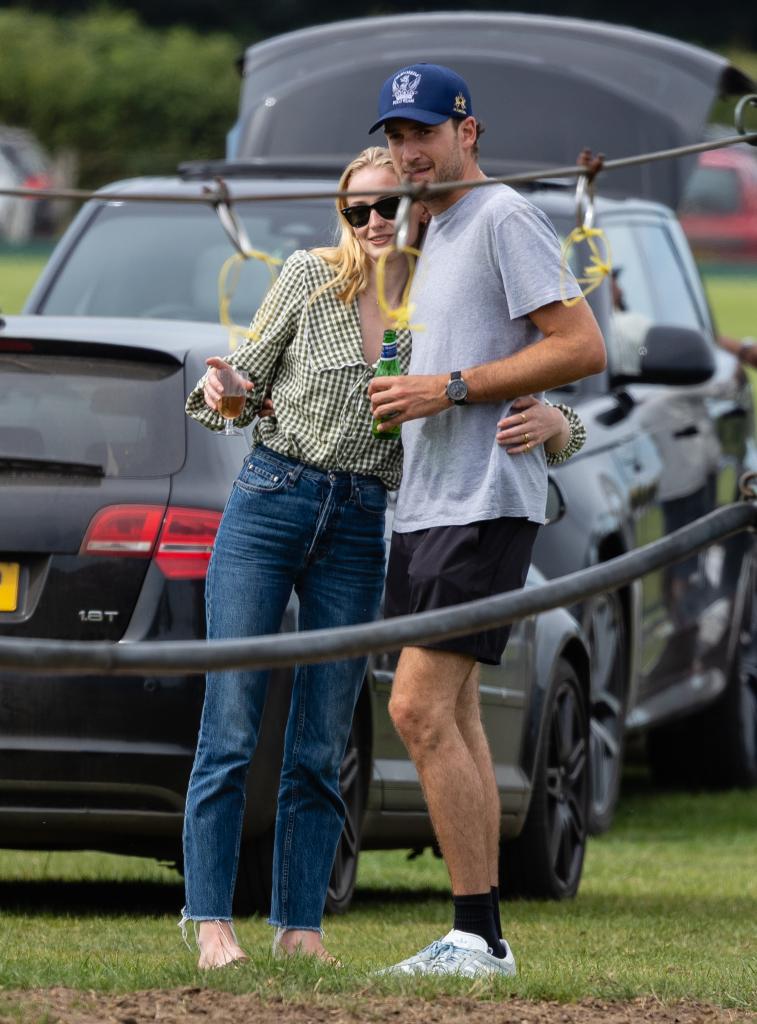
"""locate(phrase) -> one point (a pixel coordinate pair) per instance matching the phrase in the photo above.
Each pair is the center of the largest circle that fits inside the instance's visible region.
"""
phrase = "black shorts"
(447, 565)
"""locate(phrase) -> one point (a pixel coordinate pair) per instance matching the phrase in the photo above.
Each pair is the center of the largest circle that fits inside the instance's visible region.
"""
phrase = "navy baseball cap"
(429, 93)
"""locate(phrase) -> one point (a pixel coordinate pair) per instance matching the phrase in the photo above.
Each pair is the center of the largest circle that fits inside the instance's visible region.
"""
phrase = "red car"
(719, 208)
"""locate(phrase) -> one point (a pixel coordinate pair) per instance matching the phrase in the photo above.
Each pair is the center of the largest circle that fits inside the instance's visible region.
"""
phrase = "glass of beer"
(234, 396)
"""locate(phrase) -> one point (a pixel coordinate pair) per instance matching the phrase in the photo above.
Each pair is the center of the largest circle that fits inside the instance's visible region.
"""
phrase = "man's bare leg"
(468, 716)
(427, 688)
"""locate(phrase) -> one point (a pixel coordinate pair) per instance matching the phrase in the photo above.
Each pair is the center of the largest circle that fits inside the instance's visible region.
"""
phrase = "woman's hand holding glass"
(225, 391)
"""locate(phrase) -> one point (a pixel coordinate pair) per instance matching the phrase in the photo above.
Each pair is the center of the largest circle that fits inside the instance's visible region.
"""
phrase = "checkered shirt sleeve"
(310, 357)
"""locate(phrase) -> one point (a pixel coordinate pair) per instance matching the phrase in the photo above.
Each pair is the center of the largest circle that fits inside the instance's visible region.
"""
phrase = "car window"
(712, 190)
(125, 416)
(649, 287)
(163, 261)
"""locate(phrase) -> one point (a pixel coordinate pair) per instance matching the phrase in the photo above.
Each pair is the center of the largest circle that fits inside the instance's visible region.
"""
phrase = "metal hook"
(584, 202)
(748, 485)
(402, 222)
(738, 116)
(229, 222)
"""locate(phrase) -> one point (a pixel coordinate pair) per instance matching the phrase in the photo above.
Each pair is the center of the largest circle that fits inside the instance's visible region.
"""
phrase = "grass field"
(667, 908)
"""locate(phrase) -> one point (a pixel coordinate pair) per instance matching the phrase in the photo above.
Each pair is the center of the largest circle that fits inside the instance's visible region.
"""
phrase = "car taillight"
(180, 539)
(185, 542)
(123, 531)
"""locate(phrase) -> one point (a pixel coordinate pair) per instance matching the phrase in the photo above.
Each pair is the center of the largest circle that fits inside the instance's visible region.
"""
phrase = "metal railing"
(179, 657)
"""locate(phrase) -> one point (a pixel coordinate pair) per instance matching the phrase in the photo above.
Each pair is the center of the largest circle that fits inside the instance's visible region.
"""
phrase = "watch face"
(457, 390)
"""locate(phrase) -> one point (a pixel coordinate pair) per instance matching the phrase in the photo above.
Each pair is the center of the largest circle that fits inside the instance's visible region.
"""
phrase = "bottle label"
(389, 350)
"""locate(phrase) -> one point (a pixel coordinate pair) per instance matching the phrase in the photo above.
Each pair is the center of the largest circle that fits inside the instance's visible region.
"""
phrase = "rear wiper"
(19, 462)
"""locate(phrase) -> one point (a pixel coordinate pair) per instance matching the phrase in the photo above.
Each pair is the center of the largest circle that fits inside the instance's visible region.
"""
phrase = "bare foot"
(297, 942)
(218, 945)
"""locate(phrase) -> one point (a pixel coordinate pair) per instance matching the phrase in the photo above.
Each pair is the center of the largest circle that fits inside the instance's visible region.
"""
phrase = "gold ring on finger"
(523, 416)
(528, 447)
(525, 438)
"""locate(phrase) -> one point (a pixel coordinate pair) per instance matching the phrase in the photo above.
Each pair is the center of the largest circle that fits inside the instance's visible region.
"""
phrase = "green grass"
(667, 908)
(733, 298)
(19, 270)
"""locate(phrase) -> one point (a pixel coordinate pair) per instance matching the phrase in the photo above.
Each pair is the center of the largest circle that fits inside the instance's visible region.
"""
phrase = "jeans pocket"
(260, 477)
(371, 498)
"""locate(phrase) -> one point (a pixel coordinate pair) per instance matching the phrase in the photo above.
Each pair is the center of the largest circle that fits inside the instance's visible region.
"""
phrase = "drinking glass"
(234, 396)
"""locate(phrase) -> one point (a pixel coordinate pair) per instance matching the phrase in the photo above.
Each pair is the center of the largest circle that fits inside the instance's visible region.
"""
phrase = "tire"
(253, 889)
(352, 780)
(545, 861)
(605, 626)
(717, 747)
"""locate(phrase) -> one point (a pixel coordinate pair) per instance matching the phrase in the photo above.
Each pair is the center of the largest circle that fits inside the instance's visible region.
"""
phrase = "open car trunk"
(543, 86)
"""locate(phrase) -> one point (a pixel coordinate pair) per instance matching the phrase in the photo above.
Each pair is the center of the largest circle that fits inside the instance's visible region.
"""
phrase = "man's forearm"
(542, 366)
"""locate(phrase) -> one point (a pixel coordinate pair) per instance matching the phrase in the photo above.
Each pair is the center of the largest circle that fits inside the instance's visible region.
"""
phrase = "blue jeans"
(286, 526)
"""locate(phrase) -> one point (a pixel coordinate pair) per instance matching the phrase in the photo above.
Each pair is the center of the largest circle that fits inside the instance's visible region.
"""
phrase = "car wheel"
(352, 784)
(716, 748)
(253, 888)
(545, 861)
(605, 626)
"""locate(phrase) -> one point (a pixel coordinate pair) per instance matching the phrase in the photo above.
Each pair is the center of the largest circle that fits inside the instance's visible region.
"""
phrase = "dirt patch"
(193, 1005)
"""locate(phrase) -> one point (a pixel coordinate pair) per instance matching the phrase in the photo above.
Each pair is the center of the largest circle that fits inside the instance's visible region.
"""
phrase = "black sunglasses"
(359, 215)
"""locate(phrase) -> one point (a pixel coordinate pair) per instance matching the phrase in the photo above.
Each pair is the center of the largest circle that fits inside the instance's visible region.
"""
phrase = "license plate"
(9, 572)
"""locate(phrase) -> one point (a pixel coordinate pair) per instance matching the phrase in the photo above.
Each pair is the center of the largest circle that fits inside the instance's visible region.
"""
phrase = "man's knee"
(419, 725)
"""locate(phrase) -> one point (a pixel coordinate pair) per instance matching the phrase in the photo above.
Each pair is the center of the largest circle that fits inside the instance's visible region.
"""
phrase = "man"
(487, 293)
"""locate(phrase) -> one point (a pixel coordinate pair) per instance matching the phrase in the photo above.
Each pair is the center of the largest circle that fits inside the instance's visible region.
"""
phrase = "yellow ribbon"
(399, 317)
(228, 279)
(599, 267)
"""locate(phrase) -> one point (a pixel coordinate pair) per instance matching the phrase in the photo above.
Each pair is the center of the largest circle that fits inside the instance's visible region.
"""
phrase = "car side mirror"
(672, 355)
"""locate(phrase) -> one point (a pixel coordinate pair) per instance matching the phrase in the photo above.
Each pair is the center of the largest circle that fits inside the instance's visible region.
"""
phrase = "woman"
(306, 512)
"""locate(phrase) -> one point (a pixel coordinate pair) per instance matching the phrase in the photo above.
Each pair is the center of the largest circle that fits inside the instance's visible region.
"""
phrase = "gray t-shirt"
(487, 261)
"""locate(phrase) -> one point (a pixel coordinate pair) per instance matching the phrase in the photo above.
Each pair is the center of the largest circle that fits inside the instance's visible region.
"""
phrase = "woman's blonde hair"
(347, 258)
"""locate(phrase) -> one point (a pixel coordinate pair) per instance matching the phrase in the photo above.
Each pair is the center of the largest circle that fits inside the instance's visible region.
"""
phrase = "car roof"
(553, 196)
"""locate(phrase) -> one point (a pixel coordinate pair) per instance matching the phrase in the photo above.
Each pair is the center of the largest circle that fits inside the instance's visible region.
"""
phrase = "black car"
(110, 498)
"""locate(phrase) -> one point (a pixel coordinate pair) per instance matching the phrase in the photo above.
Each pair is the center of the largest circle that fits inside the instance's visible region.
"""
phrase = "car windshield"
(122, 417)
(163, 261)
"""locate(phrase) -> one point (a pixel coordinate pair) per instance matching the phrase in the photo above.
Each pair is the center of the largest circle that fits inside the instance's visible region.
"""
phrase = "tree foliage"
(127, 99)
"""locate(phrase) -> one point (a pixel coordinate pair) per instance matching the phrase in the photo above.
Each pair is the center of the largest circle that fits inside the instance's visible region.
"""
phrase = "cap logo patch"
(460, 107)
(405, 86)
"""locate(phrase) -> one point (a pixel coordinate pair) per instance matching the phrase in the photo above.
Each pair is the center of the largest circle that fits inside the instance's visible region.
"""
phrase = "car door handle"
(689, 431)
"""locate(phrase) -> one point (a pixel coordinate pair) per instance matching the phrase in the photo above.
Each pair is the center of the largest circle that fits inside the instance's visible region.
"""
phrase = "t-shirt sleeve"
(530, 262)
(275, 325)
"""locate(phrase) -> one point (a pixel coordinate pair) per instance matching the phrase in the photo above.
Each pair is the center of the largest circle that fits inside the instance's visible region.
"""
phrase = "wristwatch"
(457, 389)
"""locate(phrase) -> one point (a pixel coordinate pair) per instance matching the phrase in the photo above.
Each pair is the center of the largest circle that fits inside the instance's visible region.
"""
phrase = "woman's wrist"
(561, 437)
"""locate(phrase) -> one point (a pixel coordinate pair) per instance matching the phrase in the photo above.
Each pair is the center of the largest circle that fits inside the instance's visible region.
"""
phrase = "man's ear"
(467, 131)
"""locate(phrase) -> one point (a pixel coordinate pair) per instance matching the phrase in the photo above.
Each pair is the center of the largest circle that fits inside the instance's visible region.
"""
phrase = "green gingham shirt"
(309, 357)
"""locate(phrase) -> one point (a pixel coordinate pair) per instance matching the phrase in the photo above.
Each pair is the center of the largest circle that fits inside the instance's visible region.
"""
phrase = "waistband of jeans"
(299, 468)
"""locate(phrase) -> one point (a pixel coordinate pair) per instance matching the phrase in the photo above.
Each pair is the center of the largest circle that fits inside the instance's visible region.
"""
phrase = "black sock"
(474, 914)
(495, 908)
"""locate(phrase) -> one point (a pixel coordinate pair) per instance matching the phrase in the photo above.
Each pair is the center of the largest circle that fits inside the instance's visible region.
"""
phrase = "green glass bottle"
(388, 365)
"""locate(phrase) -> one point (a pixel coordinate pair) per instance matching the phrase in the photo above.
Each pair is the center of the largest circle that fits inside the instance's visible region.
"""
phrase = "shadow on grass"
(154, 899)
(149, 899)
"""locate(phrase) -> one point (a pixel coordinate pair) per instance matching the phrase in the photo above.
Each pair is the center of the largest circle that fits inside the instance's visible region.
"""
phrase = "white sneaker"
(461, 953)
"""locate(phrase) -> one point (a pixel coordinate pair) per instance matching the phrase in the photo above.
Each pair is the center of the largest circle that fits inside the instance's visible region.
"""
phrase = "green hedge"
(129, 100)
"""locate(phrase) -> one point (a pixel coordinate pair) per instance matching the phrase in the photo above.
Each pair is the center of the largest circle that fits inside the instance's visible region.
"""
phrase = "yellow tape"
(595, 272)
(399, 317)
(228, 279)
